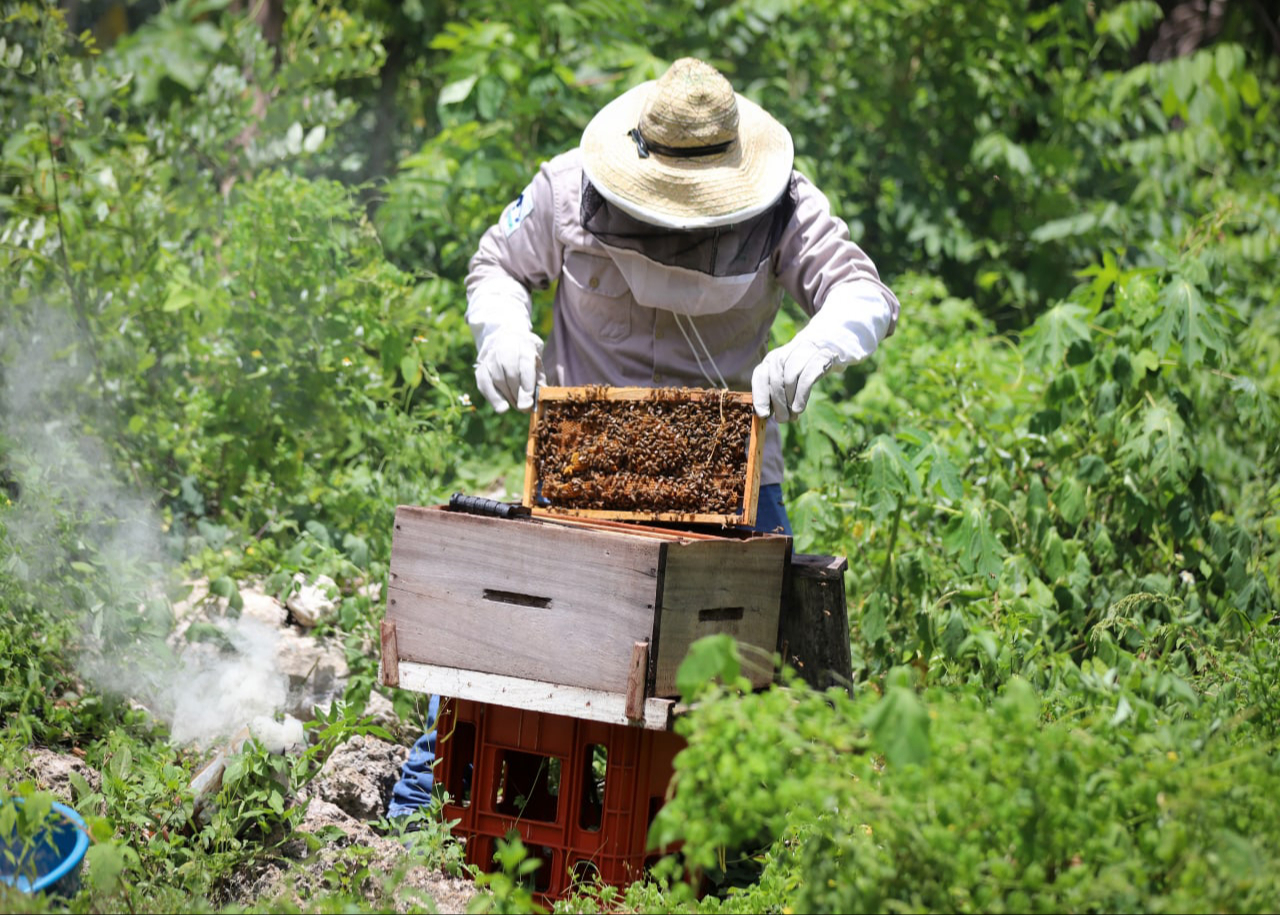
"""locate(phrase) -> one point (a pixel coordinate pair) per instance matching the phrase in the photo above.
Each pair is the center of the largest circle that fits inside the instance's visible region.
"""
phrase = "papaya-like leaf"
(1053, 333)
(970, 535)
(1185, 317)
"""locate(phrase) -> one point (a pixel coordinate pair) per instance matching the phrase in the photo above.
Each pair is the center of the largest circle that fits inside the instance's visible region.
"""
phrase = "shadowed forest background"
(233, 237)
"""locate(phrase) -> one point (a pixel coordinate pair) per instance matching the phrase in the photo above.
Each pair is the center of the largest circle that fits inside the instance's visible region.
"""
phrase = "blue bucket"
(46, 866)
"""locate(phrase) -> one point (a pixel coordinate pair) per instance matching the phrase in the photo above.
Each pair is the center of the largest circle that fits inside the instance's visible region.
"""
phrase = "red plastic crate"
(541, 775)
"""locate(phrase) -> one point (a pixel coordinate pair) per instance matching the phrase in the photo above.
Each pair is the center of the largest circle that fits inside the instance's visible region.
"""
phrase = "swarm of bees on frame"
(665, 454)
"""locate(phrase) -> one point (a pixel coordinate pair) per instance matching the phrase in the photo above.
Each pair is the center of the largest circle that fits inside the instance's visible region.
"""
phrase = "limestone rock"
(52, 770)
(359, 775)
(312, 603)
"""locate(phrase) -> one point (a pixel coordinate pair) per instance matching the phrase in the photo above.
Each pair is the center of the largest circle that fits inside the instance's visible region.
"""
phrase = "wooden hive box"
(644, 454)
(571, 616)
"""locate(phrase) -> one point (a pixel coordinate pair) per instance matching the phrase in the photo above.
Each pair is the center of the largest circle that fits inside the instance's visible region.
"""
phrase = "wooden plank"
(609, 515)
(816, 565)
(813, 633)
(732, 586)
(530, 453)
(390, 667)
(557, 699)
(634, 708)
(606, 393)
(661, 533)
(520, 598)
(755, 460)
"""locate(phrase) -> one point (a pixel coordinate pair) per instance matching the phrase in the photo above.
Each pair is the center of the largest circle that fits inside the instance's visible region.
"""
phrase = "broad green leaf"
(1066, 227)
(891, 477)
(1091, 470)
(179, 297)
(970, 536)
(944, 473)
(996, 150)
(1054, 556)
(293, 138)
(872, 622)
(1054, 332)
(899, 724)
(1250, 94)
(1124, 710)
(1069, 497)
(315, 136)
(1186, 318)
(458, 91)
(236, 768)
(1146, 360)
(411, 370)
(106, 862)
(490, 92)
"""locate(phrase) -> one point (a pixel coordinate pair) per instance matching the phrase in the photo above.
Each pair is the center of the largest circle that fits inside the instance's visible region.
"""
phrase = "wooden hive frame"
(550, 397)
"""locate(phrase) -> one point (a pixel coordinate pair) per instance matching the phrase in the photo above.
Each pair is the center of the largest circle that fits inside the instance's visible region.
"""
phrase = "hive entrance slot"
(720, 614)
(515, 597)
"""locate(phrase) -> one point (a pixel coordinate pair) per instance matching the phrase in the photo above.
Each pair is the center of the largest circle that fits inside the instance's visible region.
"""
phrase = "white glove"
(509, 369)
(781, 383)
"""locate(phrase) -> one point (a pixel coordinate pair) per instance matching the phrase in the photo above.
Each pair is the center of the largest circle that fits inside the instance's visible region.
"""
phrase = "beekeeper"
(671, 234)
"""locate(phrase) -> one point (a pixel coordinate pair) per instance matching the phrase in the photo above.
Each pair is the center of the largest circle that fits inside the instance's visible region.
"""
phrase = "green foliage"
(1002, 811)
(231, 269)
(509, 888)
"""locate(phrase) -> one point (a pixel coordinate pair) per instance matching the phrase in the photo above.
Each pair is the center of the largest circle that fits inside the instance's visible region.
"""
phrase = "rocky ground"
(346, 798)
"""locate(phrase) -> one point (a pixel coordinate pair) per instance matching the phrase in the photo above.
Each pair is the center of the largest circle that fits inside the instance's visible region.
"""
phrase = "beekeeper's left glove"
(782, 382)
(509, 369)
(847, 328)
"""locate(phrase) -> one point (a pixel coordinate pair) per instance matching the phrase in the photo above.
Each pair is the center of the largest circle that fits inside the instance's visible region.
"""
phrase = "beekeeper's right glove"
(509, 369)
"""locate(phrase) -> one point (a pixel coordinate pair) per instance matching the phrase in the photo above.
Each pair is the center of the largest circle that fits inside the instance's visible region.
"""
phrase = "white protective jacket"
(601, 335)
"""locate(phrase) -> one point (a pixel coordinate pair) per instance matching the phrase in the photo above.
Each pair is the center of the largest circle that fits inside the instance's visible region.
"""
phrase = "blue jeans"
(414, 788)
(771, 514)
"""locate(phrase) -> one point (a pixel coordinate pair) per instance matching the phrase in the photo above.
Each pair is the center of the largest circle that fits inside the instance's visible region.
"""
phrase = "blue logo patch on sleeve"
(515, 213)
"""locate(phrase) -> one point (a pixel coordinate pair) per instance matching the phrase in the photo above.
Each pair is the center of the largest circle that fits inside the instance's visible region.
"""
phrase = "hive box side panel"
(733, 587)
(520, 598)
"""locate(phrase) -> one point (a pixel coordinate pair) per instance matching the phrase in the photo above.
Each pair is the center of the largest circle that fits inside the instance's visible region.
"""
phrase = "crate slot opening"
(528, 786)
(595, 769)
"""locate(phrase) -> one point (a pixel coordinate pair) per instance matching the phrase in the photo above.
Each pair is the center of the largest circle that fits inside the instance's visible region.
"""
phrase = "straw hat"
(686, 152)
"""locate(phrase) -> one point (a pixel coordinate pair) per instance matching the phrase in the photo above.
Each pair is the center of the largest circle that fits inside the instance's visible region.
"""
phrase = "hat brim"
(687, 193)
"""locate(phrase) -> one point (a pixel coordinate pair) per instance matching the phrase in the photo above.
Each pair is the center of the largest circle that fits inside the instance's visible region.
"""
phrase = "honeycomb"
(666, 453)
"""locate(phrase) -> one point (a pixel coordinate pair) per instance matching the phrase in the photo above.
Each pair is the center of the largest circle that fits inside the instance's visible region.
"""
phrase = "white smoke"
(219, 694)
(66, 476)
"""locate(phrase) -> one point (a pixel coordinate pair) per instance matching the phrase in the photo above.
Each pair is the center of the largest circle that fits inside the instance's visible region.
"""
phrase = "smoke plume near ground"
(91, 544)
